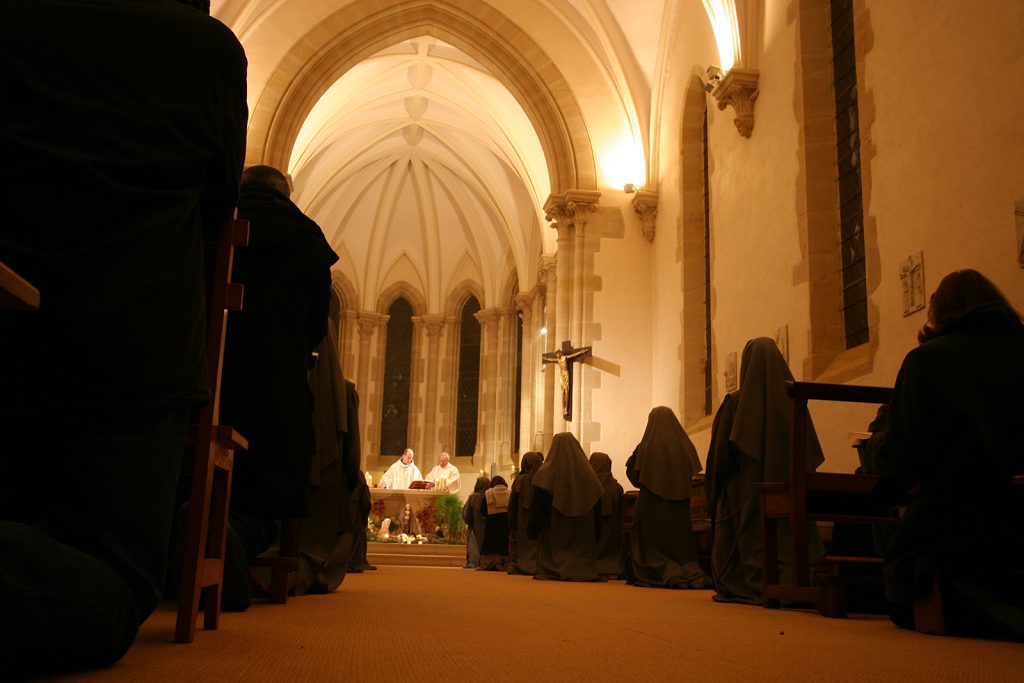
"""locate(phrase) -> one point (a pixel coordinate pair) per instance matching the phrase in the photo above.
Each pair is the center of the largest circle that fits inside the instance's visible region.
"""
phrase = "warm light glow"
(622, 164)
(722, 14)
(544, 331)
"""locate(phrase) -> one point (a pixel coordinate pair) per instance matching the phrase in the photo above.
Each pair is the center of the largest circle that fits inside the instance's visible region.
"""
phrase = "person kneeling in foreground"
(664, 554)
(953, 429)
(564, 513)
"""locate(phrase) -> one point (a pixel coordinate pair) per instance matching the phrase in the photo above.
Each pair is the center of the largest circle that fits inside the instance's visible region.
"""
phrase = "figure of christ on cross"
(565, 357)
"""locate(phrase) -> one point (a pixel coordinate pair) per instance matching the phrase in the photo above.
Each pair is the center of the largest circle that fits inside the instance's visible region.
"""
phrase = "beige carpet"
(382, 626)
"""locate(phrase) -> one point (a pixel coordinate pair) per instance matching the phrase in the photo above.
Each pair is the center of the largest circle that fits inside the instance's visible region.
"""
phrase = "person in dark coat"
(751, 442)
(524, 557)
(563, 515)
(122, 144)
(494, 547)
(361, 504)
(663, 551)
(266, 396)
(952, 429)
(609, 552)
(328, 536)
(473, 516)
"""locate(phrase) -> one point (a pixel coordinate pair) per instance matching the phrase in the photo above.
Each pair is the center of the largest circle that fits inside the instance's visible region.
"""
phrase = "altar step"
(426, 555)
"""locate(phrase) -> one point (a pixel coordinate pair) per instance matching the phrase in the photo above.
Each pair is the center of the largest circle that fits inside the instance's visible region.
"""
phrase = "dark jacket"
(113, 170)
(286, 274)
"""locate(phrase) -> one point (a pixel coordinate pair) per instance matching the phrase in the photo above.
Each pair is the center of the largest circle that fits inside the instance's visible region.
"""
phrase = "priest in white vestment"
(444, 470)
(402, 473)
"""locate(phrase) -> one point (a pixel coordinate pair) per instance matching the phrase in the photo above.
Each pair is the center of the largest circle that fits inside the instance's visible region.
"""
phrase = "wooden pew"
(284, 565)
(700, 519)
(212, 448)
(16, 293)
(817, 497)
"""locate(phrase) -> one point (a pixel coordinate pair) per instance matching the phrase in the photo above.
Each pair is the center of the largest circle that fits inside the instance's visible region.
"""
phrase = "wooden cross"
(565, 357)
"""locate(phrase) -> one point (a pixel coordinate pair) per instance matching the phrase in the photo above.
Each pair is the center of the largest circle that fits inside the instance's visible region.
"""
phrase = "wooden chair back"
(211, 450)
(832, 497)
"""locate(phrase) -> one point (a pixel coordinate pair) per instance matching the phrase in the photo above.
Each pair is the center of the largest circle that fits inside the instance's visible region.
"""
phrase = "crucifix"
(565, 357)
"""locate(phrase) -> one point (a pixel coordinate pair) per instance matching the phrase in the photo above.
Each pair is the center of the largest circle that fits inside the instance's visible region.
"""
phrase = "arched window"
(394, 423)
(697, 377)
(469, 379)
(851, 205)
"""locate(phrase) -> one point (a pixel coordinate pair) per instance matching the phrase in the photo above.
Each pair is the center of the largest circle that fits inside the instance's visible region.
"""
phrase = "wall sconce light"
(544, 331)
(714, 78)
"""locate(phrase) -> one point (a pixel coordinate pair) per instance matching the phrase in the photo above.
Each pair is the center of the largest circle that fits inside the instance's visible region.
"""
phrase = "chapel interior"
(660, 181)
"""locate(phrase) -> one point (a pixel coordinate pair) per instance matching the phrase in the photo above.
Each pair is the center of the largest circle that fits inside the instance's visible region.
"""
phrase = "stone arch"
(458, 296)
(344, 289)
(402, 289)
(353, 34)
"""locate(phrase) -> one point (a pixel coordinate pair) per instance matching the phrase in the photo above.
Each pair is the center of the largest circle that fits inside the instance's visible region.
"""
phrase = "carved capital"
(433, 324)
(368, 322)
(488, 318)
(570, 211)
(524, 304)
(738, 89)
(646, 206)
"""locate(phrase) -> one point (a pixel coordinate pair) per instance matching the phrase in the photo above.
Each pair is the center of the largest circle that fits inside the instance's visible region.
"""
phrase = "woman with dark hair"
(563, 513)
(522, 548)
(952, 429)
(609, 552)
(473, 516)
(663, 552)
(494, 547)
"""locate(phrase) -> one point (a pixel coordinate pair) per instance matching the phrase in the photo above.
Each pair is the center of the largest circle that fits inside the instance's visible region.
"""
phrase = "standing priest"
(402, 473)
(444, 470)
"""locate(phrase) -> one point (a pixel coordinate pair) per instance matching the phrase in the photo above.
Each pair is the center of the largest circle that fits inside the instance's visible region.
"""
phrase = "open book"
(858, 438)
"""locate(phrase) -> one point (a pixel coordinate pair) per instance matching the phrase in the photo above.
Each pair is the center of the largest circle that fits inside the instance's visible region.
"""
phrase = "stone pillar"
(434, 327)
(568, 214)
(368, 322)
(487, 407)
(525, 305)
(546, 401)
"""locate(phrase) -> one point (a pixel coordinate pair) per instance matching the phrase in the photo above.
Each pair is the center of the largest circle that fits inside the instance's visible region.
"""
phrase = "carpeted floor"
(484, 626)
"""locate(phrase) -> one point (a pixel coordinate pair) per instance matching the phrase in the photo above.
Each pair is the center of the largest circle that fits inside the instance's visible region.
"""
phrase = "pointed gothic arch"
(352, 34)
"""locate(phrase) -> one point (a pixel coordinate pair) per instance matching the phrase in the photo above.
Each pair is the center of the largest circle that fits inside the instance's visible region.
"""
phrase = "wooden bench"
(817, 497)
(16, 293)
(212, 448)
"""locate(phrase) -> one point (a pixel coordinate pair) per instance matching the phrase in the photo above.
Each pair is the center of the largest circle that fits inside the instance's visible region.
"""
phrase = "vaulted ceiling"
(424, 136)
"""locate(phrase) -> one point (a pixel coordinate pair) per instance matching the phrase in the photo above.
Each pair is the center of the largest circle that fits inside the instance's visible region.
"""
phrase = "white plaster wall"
(623, 308)
(944, 143)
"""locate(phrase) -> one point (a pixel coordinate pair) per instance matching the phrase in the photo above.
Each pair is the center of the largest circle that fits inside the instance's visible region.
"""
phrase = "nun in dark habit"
(751, 442)
(473, 516)
(524, 556)
(563, 515)
(328, 536)
(609, 552)
(664, 554)
(494, 548)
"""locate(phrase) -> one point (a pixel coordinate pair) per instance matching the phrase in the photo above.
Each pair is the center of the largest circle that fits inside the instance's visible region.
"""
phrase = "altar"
(391, 503)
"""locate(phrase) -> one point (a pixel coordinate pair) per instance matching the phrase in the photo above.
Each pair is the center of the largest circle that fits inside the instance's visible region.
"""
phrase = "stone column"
(487, 408)
(368, 322)
(434, 327)
(568, 214)
(545, 397)
(525, 305)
